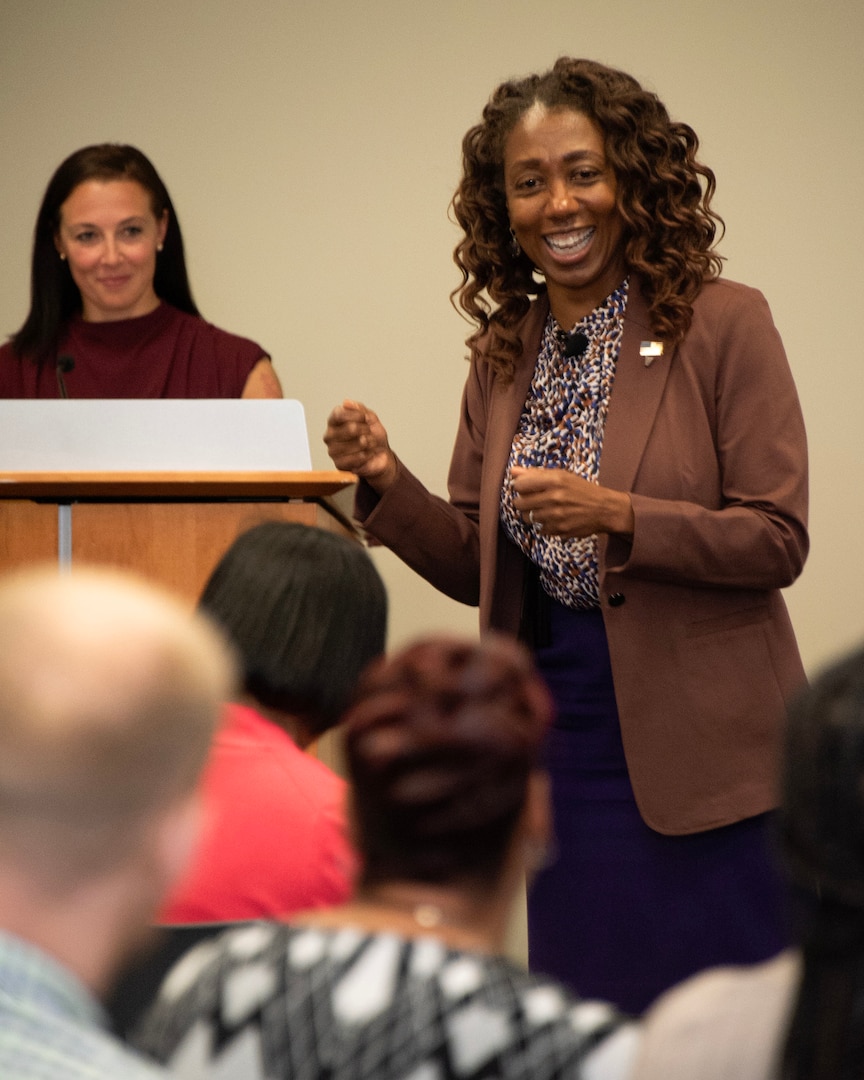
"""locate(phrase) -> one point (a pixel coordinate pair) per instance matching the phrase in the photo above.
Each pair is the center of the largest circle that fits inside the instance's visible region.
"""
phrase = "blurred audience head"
(822, 818)
(441, 741)
(109, 695)
(306, 610)
(822, 839)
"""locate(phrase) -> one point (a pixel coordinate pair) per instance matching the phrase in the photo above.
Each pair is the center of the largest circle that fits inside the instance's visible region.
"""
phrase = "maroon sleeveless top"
(166, 354)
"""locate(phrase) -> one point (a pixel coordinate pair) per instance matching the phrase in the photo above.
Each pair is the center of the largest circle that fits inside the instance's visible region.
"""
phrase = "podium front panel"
(169, 527)
(176, 543)
(28, 533)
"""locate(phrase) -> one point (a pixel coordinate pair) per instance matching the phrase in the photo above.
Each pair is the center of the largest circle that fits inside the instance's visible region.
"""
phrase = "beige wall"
(311, 149)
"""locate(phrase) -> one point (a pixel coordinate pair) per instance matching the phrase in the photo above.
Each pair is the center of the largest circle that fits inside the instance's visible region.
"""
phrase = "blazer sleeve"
(436, 538)
(720, 497)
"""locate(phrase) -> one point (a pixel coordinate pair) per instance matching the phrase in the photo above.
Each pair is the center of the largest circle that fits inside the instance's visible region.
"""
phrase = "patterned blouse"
(561, 427)
(305, 1003)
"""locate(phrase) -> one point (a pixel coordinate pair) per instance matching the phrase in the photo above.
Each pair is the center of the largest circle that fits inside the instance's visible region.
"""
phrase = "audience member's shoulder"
(233, 946)
(51, 1046)
(724, 1022)
(608, 1039)
(347, 974)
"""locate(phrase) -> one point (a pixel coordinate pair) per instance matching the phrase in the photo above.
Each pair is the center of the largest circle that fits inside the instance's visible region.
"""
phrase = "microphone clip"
(574, 344)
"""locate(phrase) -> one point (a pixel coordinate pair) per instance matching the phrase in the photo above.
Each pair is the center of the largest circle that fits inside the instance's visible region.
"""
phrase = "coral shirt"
(276, 839)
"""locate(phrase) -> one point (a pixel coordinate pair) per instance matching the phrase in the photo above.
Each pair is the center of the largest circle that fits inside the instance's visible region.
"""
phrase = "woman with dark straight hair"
(305, 610)
(111, 309)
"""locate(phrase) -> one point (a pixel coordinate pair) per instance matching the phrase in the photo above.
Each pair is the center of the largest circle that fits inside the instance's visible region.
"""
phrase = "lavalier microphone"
(575, 344)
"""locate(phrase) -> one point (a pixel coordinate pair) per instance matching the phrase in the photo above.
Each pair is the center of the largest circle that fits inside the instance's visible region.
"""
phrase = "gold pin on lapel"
(651, 350)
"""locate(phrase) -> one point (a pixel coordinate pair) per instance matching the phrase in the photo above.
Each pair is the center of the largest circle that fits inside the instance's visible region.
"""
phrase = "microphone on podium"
(65, 364)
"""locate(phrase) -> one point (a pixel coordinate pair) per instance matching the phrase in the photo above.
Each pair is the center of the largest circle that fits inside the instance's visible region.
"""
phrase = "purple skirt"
(623, 912)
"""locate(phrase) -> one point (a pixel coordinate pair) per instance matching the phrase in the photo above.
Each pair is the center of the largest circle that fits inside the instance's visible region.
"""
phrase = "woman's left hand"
(559, 503)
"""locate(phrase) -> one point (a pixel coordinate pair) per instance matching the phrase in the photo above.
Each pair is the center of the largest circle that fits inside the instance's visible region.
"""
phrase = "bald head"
(109, 695)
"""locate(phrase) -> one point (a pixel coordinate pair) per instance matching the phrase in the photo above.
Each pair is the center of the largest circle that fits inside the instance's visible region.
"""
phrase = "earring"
(159, 247)
(515, 248)
(62, 256)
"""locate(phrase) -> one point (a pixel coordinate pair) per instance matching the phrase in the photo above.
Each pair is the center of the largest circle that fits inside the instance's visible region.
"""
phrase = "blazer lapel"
(636, 393)
(508, 401)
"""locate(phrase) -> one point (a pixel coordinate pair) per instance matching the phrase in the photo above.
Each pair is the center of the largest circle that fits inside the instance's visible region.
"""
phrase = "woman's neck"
(292, 725)
(458, 916)
(569, 306)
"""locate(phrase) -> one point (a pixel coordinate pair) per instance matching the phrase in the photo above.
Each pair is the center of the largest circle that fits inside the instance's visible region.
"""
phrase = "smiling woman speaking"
(628, 493)
(111, 312)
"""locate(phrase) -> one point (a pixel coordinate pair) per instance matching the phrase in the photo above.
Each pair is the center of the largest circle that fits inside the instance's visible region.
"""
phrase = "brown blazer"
(709, 441)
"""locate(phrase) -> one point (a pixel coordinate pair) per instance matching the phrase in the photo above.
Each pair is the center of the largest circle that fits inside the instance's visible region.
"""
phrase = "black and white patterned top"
(561, 427)
(275, 1001)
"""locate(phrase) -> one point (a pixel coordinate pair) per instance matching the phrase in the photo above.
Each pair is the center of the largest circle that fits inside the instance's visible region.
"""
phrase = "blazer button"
(616, 599)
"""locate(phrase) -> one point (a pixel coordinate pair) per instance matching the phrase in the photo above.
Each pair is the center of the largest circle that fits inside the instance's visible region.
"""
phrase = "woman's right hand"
(357, 442)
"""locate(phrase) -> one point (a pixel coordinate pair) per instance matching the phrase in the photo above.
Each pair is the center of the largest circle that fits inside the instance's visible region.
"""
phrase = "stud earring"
(62, 256)
(159, 247)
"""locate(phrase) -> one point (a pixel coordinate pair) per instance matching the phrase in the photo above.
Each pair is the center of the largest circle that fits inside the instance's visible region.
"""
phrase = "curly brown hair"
(663, 193)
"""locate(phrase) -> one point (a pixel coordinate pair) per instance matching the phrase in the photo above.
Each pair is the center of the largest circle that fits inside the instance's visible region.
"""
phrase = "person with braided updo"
(450, 810)
(628, 494)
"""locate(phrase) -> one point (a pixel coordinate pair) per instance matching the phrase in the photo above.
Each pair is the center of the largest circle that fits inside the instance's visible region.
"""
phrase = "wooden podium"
(158, 487)
(169, 527)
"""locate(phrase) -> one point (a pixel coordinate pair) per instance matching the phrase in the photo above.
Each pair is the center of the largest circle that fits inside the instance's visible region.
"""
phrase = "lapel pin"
(651, 350)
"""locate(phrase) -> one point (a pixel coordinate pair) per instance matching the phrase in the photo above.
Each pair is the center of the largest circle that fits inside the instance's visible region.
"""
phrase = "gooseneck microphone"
(575, 343)
(65, 364)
